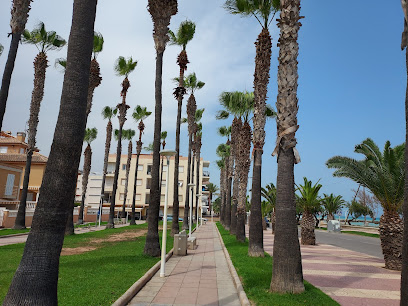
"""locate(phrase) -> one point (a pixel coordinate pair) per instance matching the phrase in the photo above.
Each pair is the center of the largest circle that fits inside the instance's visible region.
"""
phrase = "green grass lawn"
(256, 273)
(98, 277)
(10, 231)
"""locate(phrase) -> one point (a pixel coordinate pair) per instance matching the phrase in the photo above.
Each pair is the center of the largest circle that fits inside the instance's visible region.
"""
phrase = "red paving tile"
(355, 301)
(353, 282)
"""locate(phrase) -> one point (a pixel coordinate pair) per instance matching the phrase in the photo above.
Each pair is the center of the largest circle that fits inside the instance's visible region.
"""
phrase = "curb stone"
(237, 282)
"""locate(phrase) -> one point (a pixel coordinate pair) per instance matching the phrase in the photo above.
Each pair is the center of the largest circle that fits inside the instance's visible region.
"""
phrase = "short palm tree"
(44, 41)
(123, 67)
(383, 173)
(90, 135)
(332, 205)
(128, 135)
(309, 201)
(404, 273)
(161, 12)
(184, 35)
(19, 16)
(269, 194)
(226, 217)
(264, 12)
(191, 83)
(287, 275)
(139, 114)
(212, 188)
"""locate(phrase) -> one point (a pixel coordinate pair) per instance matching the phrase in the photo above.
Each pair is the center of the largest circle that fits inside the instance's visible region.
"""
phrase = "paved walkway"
(350, 278)
(22, 238)
(200, 278)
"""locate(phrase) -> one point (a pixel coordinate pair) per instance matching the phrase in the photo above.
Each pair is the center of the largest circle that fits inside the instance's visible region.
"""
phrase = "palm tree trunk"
(138, 150)
(175, 229)
(235, 190)
(404, 273)
(287, 275)
(198, 191)
(40, 67)
(20, 219)
(187, 202)
(229, 165)
(115, 181)
(40, 261)
(391, 235)
(152, 246)
(8, 71)
(273, 221)
(307, 224)
(222, 192)
(129, 159)
(85, 178)
(69, 227)
(255, 248)
(105, 161)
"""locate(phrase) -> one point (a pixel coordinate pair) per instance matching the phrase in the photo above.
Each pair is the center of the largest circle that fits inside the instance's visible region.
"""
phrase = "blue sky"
(352, 76)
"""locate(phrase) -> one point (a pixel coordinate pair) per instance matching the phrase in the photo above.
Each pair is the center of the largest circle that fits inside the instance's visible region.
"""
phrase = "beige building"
(144, 182)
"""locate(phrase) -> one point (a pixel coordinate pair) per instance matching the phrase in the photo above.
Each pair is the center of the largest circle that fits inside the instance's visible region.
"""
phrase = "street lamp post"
(190, 186)
(167, 154)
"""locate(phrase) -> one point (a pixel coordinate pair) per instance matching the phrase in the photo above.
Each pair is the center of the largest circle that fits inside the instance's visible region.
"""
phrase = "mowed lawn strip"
(256, 273)
(10, 231)
(97, 277)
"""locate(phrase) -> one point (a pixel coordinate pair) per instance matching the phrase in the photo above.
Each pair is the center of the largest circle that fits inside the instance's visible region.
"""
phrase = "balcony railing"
(206, 173)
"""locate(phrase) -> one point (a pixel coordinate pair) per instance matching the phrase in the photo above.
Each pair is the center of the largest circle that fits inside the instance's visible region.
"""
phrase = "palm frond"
(140, 113)
(185, 34)
(90, 135)
(97, 44)
(163, 135)
(61, 63)
(107, 112)
(1, 49)
(123, 67)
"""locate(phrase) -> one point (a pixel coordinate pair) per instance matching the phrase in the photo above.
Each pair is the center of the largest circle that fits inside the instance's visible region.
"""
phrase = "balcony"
(206, 173)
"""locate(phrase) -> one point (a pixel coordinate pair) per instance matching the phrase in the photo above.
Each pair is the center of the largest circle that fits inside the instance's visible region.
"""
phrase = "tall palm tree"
(40, 260)
(309, 201)
(332, 205)
(123, 67)
(269, 194)
(404, 273)
(184, 35)
(384, 175)
(287, 275)
(226, 132)
(264, 12)
(221, 165)
(128, 135)
(161, 12)
(90, 135)
(191, 83)
(139, 114)
(19, 16)
(212, 188)
(197, 145)
(44, 41)
(224, 152)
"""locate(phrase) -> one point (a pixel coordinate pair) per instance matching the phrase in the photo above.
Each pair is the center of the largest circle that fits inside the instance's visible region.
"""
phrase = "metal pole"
(164, 237)
(191, 214)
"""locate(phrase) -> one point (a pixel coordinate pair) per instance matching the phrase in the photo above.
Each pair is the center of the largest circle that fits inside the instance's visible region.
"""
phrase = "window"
(164, 168)
(181, 169)
(147, 201)
(9, 185)
(162, 198)
(22, 151)
(3, 149)
(180, 198)
(138, 197)
(149, 169)
(123, 166)
(148, 183)
(123, 182)
(139, 182)
(122, 196)
(163, 183)
(140, 168)
(180, 183)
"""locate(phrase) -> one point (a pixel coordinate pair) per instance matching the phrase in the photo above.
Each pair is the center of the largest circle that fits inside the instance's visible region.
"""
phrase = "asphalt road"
(367, 245)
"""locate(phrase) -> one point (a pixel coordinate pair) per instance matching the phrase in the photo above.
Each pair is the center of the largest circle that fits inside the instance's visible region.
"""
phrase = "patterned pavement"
(350, 278)
(200, 278)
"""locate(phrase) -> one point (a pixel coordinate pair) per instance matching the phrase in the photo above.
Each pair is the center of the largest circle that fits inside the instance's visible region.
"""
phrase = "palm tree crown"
(332, 204)
(109, 112)
(192, 83)
(140, 113)
(309, 195)
(185, 34)
(43, 40)
(123, 67)
(97, 44)
(90, 135)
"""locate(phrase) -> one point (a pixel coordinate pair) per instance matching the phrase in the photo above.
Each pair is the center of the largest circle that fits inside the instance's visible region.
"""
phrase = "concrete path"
(200, 278)
(22, 238)
(351, 278)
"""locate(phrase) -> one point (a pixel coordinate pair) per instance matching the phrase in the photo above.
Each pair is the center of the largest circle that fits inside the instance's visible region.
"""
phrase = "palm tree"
(287, 275)
(383, 174)
(1, 49)
(404, 273)
(309, 202)
(128, 135)
(212, 188)
(94, 74)
(197, 145)
(185, 34)
(139, 114)
(90, 135)
(221, 165)
(224, 152)
(44, 41)
(19, 16)
(149, 148)
(40, 260)
(163, 137)
(192, 84)
(264, 12)
(161, 12)
(269, 194)
(226, 132)
(332, 205)
(123, 67)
